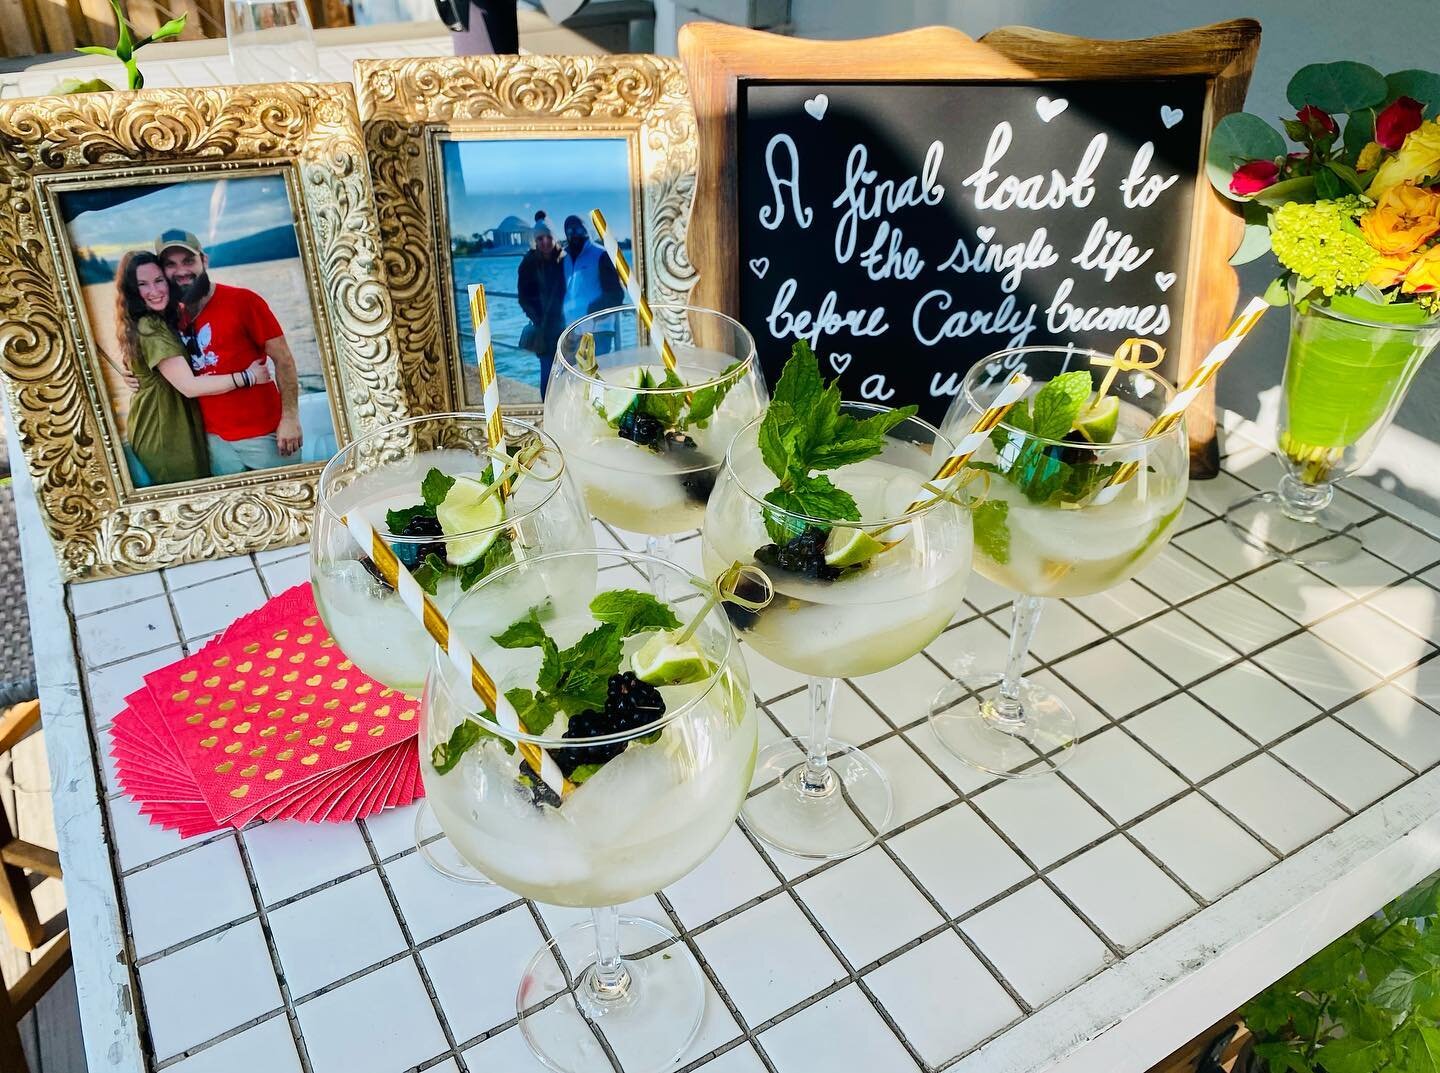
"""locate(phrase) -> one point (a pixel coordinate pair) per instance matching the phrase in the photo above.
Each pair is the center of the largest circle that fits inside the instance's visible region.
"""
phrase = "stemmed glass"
(649, 800)
(646, 447)
(837, 614)
(385, 471)
(1046, 525)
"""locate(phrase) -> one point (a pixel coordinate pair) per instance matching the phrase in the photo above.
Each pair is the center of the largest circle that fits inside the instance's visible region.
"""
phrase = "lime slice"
(662, 662)
(463, 511)
(850, 547)
(614, 401)
(1097, 423)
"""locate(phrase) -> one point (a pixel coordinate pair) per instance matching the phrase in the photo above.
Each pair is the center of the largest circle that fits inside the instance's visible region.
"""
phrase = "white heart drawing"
(760, 265)
(984, 234)
(1047, 109)
(839, 362)
(1164, 280)
(1170, 116)
(816, 106)
(994, 369)
(1143, 385)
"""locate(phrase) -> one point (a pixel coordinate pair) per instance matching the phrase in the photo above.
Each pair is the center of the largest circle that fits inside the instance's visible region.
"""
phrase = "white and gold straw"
(421, 606)
(1175, 409)
(632, 285)
(489, 382)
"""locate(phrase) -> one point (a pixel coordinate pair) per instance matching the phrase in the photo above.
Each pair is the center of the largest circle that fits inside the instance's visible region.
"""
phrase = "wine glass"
(851, 598)
(271, 41)
(384, 472)
(640, 792)
(1046, 524)
(646, 447)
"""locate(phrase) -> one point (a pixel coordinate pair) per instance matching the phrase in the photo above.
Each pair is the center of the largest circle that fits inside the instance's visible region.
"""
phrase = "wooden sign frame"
(718, 57)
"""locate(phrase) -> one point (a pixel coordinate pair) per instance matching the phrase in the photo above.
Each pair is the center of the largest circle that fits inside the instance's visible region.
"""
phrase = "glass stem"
(609, 980)
(1302, 501)
(1026, 616)
(816, 778)
(662, 547)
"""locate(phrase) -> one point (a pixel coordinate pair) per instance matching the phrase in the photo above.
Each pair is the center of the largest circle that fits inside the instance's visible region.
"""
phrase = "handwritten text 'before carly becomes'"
(864, 201)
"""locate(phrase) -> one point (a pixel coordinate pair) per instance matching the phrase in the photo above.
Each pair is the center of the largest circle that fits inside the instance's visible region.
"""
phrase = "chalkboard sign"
(913, 204)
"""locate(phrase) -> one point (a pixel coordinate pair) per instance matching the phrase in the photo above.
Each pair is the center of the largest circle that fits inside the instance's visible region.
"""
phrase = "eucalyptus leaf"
(1423, 86)
(1338, 88)
(1255, 242)
(1238, 139)
(1359, 132)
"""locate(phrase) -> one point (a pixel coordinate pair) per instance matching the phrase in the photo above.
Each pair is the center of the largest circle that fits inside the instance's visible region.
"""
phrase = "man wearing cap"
(540, 283)
(228, 329)
(591, 283)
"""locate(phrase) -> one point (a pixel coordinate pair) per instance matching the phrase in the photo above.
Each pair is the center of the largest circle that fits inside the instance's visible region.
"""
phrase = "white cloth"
(582, 287)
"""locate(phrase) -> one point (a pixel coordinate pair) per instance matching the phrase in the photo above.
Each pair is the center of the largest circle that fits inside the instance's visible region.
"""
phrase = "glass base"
(964, 718)
(1327, 535)
(440, 853)
(648, 1024)
(838, 820)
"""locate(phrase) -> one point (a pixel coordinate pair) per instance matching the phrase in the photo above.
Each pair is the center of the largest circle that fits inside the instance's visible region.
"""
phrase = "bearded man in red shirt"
(229, 328)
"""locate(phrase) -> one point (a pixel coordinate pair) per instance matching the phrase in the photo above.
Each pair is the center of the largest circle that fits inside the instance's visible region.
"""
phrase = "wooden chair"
(17, 909)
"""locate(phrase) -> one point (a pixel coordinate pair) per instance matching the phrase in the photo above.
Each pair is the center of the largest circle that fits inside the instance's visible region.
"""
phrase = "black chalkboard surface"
(910, 229)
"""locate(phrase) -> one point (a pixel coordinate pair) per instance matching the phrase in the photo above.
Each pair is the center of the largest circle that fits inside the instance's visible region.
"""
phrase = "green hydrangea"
(1322, 243)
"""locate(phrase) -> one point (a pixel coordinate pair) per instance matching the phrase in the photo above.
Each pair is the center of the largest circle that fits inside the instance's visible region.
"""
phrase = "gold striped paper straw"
(489, 382)
(1013, 391)
(1175, 409)
(413, 597)
(632, 285)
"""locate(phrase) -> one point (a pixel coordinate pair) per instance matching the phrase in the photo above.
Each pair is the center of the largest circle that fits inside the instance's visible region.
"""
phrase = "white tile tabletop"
(1240, 722)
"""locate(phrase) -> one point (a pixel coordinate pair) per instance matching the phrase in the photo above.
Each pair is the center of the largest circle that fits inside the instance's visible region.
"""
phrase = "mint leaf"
(816, 499)
(992, 532)
(1058, 403)
(435, 487)
(447, 754)
(498, 554)
(397, 520)
(535, 710)
(583, 772)
(707, 400)
(777, 437)
(526, 633)
(633, 611)
(1351, 1055)
(664, 407)
(429, 573)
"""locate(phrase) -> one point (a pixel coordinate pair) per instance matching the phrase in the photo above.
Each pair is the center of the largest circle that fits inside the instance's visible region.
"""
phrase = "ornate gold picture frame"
(262, 169)
(418, 113)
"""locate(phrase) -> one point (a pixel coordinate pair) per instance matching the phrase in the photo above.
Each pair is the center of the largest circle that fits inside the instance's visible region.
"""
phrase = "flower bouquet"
(1352, 214)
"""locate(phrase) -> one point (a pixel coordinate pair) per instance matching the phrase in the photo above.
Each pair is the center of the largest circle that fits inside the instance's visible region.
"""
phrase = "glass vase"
(1347, 369)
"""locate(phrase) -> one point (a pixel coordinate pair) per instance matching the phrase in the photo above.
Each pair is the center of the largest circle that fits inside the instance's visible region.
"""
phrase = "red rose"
(1396, 120)
(1253, 177)
(1317, 121)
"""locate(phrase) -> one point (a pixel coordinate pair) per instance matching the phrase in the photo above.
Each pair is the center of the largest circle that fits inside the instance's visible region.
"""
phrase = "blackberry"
(742, 618)
(1082, 453)
(421, 525)
(642, 429)
(631, 703)
(588, 724)
(803, 554)
(540, 792)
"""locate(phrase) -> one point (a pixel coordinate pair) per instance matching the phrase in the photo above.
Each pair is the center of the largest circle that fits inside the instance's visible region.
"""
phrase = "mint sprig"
(633, 611)
(805, 430)
(1038, 469)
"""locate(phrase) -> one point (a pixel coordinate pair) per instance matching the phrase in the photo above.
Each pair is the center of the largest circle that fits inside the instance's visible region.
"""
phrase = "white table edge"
(97, 937)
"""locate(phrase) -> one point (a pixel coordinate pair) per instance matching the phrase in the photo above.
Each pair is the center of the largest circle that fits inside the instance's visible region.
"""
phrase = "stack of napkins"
(268, 721)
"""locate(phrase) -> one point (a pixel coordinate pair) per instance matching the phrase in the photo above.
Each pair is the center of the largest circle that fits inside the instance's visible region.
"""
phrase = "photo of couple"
(543, 268)
(206, 378)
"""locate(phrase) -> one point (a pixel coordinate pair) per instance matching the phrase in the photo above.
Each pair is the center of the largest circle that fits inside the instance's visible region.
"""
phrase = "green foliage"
(1337, 88)
(633, 611)
(992, 530)
(1423, 86)
(1238, 139)
(447, 754)
(1367, 1003)
(805, 430)
(1038, 468)
(125, 48)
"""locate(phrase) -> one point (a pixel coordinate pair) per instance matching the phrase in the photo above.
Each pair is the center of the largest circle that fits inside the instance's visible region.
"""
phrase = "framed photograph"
(197, 314)
(486, 169)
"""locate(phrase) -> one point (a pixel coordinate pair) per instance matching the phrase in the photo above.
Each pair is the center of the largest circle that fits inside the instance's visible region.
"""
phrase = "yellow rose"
(1402, 220)
(1388, 271)
(1424, 274)
(1369, 156)
(1418, 158)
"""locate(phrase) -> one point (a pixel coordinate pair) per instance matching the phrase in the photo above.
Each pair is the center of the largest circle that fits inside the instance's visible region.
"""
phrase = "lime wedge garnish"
(614, 401)
(1097, 423)
(463, 511)
(850, 547)
(662, 662)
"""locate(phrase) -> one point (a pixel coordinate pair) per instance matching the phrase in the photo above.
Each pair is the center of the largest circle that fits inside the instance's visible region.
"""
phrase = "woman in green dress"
(166, 432)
